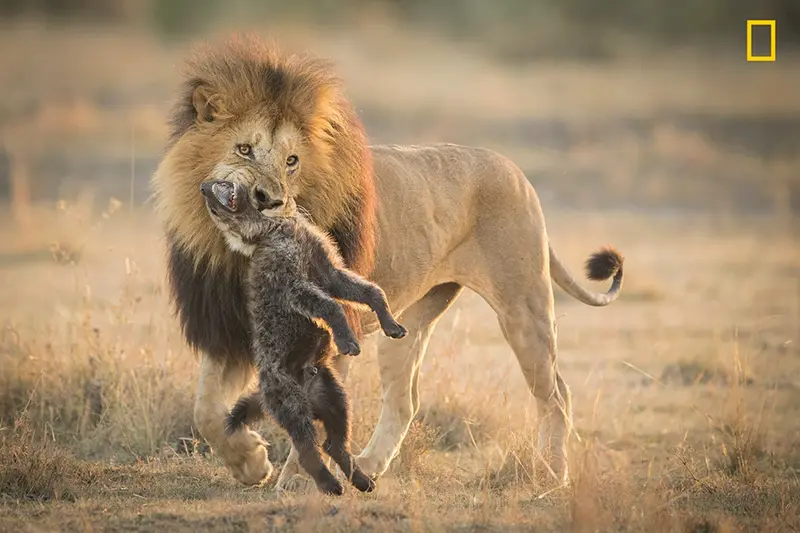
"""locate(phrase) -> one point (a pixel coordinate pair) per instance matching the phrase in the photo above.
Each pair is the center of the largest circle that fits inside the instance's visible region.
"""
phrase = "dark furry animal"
(295, 277)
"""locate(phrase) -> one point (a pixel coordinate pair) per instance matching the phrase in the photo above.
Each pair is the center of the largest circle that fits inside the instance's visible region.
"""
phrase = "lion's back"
(436, 197)
(451, 177)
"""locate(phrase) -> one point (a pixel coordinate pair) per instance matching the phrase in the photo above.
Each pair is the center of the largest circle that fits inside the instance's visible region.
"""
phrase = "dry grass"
(34, 467)
(687, 397)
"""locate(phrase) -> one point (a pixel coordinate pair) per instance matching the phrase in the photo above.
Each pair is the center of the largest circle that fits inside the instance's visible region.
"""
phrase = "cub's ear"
(208, 105)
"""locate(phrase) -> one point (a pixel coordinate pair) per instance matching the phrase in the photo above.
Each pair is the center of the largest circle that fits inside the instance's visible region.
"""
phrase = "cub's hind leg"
(331, 406)
(287, 401)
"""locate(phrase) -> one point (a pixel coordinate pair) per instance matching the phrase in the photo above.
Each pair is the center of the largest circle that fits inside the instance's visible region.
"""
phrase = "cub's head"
(229, 206)
(240, 218)
(276, 126)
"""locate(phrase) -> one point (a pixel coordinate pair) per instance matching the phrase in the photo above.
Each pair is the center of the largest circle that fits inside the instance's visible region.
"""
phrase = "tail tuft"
(603, 264)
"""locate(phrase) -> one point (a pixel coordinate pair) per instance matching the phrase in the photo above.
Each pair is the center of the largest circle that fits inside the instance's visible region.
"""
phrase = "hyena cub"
(295, 278)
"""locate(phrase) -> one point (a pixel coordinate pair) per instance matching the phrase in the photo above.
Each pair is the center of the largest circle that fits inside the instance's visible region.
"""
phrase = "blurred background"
(642, 104)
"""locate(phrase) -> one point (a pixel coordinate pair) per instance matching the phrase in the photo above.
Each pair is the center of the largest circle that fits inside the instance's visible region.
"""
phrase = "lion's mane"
(249, 80)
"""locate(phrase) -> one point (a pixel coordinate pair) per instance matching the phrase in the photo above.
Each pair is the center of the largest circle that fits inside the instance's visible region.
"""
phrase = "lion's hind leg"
(514, 278)
(528, 325)
(531, 333)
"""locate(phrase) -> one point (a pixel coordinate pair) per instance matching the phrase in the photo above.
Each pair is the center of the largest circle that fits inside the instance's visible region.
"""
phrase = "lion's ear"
(208, 105)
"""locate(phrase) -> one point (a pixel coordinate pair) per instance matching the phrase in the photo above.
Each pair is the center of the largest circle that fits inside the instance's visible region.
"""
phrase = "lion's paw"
(296, 484)
(253, 465)
(371, 466)
(551, 472)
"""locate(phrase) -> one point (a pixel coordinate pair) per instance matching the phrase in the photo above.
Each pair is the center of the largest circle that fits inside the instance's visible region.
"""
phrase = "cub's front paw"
(395, 331)
(348, 347)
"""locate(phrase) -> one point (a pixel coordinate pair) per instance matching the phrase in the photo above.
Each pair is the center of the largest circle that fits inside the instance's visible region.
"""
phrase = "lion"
(421, 221)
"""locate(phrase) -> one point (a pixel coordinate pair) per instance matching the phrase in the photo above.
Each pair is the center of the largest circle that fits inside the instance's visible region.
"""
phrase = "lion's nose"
(264, 201)
(272, 204)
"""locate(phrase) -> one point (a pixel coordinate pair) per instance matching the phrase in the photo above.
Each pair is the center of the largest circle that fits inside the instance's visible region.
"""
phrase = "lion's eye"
(244, 149)
(292, 161)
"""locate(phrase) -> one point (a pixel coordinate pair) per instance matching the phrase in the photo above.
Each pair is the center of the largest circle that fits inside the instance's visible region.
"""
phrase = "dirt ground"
(686, 390)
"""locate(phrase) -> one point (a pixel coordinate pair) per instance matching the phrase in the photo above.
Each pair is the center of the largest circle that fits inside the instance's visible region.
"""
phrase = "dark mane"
(253, 79)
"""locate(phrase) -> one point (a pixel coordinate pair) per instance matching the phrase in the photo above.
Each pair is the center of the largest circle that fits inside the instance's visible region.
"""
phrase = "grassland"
(687, 395)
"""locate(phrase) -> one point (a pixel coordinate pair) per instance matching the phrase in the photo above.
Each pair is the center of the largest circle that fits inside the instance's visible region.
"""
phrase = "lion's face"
(252, 151)
(266, 159)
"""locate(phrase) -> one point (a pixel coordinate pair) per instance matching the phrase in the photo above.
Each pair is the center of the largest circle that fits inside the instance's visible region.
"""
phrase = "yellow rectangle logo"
(750, 25)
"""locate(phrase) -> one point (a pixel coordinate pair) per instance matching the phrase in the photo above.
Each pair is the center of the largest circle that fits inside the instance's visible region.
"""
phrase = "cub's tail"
(247, 410)
(601, 265)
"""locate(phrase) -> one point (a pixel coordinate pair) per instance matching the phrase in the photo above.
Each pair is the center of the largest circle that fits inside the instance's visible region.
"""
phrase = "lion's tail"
(601, 265)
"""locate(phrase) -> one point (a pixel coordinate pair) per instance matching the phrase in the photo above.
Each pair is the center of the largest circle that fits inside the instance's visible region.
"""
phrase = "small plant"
(33, 467)
(742, 444)
(457, 425)
(419, 442)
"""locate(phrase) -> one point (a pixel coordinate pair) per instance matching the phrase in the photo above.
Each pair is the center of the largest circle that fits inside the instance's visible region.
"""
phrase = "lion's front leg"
(218, 387)
(400, 362)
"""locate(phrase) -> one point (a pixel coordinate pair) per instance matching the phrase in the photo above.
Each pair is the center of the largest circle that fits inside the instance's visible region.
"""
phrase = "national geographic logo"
(761, 40)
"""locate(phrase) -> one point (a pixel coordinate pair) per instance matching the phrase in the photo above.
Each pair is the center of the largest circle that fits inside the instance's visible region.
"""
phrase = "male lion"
(420, 221)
